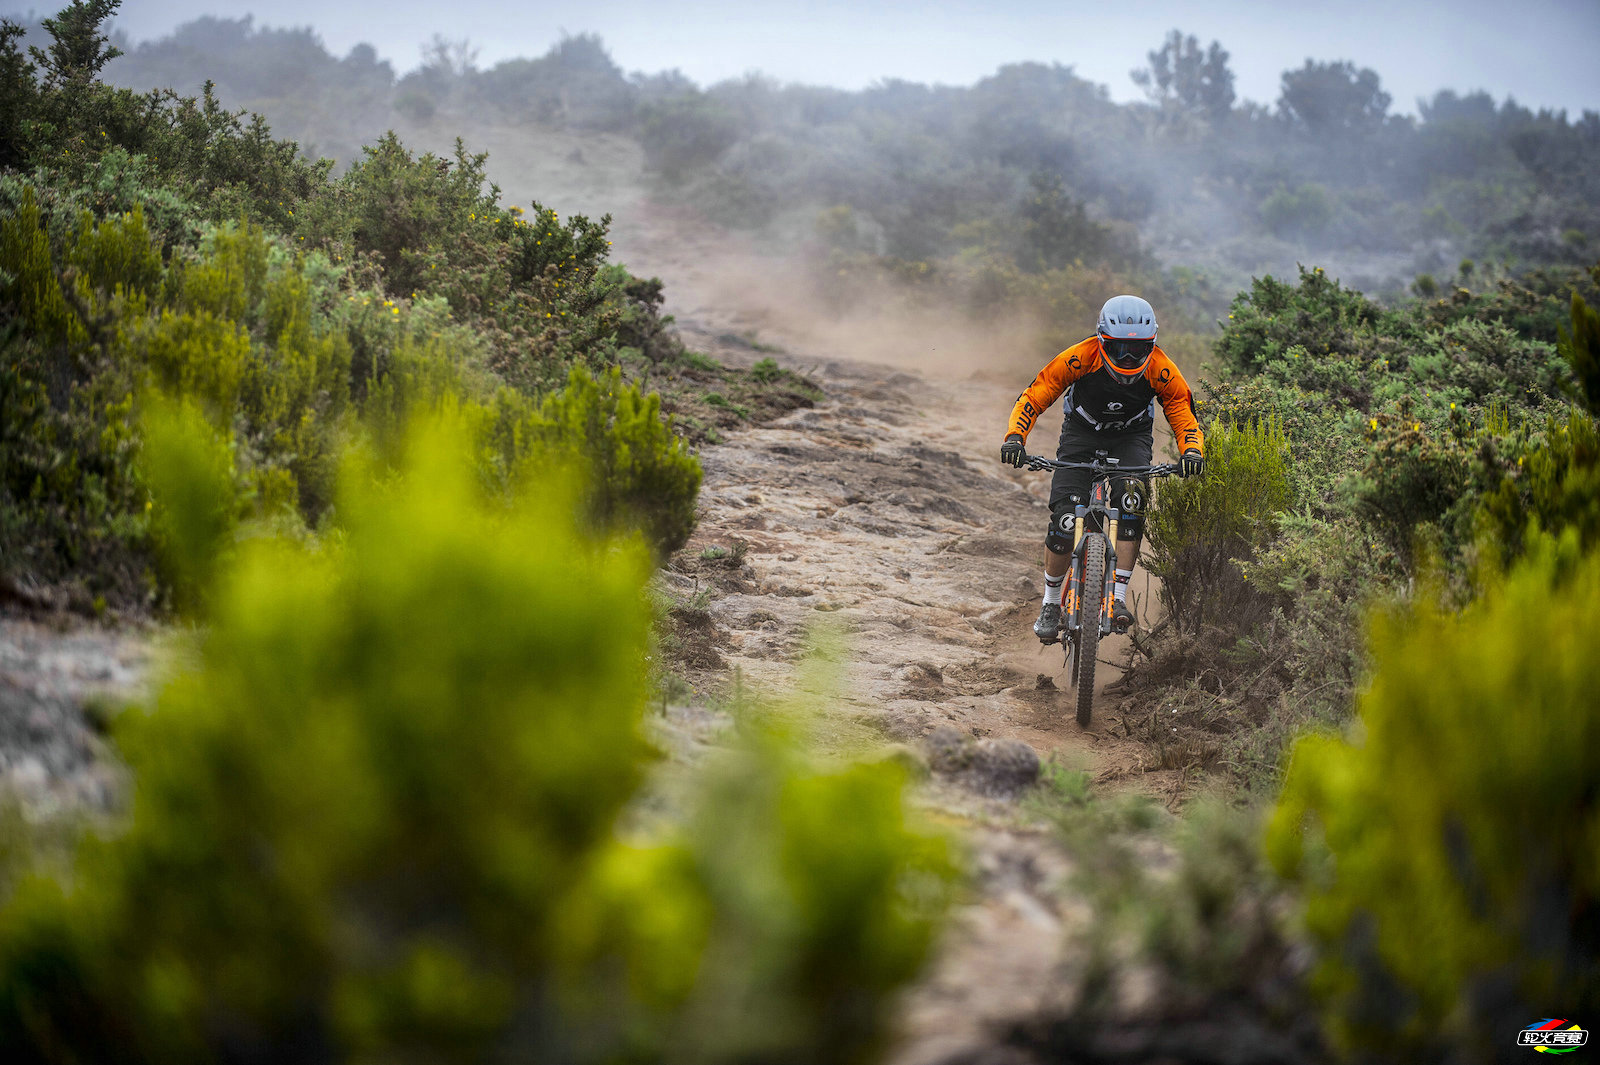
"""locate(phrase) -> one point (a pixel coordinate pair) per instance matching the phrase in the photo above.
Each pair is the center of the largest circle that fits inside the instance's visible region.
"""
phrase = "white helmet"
(1127, 337)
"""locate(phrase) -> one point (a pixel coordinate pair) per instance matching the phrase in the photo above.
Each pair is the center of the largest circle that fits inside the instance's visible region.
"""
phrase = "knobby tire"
(1090, 599)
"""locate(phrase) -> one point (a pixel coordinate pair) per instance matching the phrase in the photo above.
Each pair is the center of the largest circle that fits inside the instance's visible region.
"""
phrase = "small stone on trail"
(998, 768)
(1045, 683)
(922, 675)
(1004, 768)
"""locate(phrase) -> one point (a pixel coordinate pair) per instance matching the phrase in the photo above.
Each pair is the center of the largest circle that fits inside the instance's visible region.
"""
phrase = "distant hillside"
(1193, 177)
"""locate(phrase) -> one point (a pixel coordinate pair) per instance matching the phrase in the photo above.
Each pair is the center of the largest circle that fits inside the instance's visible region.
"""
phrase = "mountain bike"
(1091, 582)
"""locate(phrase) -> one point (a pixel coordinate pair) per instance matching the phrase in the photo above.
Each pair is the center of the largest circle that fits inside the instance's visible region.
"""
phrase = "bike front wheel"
(1090, 602)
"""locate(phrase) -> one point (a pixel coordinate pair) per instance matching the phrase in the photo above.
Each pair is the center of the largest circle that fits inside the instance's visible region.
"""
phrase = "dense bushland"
(1413, 443)
(157, 249)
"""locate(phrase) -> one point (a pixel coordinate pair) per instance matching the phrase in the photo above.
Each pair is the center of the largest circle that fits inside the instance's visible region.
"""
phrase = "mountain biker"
(1112, 381)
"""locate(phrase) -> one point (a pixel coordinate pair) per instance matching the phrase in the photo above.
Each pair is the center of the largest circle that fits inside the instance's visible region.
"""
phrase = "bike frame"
(1094, 518)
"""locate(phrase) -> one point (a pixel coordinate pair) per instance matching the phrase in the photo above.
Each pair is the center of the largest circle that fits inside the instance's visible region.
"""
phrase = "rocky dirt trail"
(884, 513)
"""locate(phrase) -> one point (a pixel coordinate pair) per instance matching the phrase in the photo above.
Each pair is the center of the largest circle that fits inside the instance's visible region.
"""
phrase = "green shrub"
(61, 117)
(637, 475)
(1548, 480)
(1324, 445)
(187, 467)
(536, 287)
(1200, 529)
(71, 510)
(685, 132)
(1447, 853)
(1301, 212)
(1553, 485)
(1318, 314)
(376, 818)
(1416, 483)
(1534, 304)
(1581, 350)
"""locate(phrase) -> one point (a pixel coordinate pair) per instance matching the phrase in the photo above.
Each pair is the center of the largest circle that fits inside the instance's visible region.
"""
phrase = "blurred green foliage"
(1447, 851)
(376, 816)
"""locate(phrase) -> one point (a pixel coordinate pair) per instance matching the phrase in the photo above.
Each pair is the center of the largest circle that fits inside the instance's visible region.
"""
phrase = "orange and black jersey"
(1102, 404)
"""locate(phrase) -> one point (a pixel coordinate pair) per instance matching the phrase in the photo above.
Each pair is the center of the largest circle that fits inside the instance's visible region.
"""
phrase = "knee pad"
(1130, 503)
(1063, 528)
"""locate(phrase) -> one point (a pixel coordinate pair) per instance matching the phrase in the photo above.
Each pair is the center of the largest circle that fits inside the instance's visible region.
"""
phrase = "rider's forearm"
(1185, 426)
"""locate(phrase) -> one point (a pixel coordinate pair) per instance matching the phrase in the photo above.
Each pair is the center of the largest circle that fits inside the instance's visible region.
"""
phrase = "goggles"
(1127, 354)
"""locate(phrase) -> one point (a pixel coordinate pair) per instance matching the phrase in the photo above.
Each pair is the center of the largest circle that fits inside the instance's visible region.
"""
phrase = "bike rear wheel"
(1090, 602)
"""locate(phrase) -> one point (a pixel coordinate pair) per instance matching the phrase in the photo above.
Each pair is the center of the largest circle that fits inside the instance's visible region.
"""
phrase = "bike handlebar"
(1039, 462)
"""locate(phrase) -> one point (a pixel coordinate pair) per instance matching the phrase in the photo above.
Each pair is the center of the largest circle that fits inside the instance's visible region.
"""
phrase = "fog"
(1542, 52)
(952, 164)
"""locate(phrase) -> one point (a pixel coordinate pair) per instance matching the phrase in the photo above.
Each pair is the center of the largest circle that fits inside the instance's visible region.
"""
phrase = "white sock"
(1052, 588)
(1119, 589)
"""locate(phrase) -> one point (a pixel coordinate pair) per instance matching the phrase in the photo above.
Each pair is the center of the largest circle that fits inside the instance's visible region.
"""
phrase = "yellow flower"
(1374, 423)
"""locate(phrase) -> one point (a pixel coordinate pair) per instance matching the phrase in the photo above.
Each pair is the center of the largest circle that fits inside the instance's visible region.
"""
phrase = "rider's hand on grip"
(1193, 464)
(1011, 452)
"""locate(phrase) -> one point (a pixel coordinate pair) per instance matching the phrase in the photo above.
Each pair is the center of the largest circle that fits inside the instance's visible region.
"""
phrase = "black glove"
(1011, 452)
(1193, 463)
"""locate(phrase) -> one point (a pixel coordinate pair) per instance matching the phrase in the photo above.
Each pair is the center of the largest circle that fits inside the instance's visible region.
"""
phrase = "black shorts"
(1079, 444)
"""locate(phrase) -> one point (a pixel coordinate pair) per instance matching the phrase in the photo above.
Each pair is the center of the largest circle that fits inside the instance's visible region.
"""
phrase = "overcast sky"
(1546, 53)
